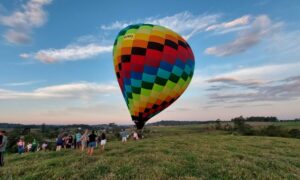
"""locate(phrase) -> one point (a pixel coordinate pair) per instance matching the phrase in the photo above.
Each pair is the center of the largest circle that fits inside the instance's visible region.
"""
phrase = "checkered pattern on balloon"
(154, 65)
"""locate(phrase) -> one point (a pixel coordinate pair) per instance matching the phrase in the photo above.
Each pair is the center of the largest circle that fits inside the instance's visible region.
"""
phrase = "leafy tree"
(218, 124)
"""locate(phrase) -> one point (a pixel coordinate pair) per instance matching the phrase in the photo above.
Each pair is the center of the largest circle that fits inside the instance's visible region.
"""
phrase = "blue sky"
(56, 60)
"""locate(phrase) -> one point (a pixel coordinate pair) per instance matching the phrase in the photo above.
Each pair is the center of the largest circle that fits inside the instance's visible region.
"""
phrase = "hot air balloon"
(154, 65)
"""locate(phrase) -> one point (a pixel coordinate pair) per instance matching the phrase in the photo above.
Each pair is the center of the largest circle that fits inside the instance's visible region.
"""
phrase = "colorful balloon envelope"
(154, 65)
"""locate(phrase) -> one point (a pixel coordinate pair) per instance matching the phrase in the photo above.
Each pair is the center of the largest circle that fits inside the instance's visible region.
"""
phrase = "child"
(21, 146)
(135, 136)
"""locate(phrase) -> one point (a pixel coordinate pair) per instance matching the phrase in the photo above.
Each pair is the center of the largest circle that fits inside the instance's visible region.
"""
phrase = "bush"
(294, 133)
(218, 125)
(228, 127)
(247, 130)
(274, 131)
(239, 123)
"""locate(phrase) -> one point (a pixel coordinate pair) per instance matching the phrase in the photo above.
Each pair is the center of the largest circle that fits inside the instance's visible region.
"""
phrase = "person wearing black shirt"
(92, 143)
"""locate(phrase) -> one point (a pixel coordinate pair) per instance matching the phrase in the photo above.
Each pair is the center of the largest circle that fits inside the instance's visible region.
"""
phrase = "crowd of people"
(87, 140)
(30, 147)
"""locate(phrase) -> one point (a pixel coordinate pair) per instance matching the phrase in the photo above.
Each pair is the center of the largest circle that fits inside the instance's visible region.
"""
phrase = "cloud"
(24, 55)
(69, 53)
(83, 90)
(268, 72)
(279, 90)
(22, 21)
(25, 83)
(244, 20)
(270, 83)
(184, 23)
(16, 37)
(287, 89)
(259, 29)
(235, 81)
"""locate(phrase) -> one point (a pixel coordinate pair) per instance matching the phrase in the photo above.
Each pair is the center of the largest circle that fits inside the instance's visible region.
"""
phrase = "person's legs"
(1, 159)
(58, 148)
(83, 145)
(91, 151)
(88, 150)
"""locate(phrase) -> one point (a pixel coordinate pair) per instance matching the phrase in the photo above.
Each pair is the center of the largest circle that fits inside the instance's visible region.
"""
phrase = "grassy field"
(186, 152)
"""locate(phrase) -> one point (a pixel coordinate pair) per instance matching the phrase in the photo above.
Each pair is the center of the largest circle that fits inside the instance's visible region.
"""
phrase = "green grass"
(186, 152)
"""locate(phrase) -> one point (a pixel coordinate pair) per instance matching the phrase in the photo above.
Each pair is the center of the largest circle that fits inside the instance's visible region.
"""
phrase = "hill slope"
(179, 153)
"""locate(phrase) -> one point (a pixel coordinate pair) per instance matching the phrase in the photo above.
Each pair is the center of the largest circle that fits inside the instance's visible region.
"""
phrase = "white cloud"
(83, 90)
(265, 72)
(244, 20)
(184, 23)
(24, 55)
(257, 74)
(22, 21)
(275, 82)
(25, 83)
(259, 29)
(69, 53)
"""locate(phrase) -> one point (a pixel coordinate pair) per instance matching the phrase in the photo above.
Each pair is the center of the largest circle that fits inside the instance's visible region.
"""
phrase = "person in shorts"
(59, 143)
(102, 141)
(123, 134)
(92, 143)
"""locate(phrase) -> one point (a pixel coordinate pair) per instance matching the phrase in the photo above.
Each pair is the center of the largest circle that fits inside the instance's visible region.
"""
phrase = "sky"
(56, 62)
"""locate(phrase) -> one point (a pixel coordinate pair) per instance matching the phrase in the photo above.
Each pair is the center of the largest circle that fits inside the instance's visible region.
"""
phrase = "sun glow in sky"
(56, 59)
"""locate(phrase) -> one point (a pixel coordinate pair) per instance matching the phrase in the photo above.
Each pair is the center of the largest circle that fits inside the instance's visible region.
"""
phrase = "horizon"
(56, 64)
(132, 124)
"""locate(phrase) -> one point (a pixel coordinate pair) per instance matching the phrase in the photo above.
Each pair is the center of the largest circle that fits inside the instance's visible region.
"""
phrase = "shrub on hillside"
(273, 130)
(239, 123)
(218, 125)
(294, 133)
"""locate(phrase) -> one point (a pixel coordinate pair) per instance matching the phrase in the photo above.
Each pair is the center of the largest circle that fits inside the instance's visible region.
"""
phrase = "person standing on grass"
(135, 136)
(69, 141)
(92, 143)
(34, 145)
(123, 134)
(21, 145)
(59, 142)
(102, 141)
(29, 147)
(78, 139)
(3, 144)
(84, 139)
(44, 146)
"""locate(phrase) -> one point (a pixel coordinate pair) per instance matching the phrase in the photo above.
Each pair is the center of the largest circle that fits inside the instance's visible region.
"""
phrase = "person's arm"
(4, 142)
